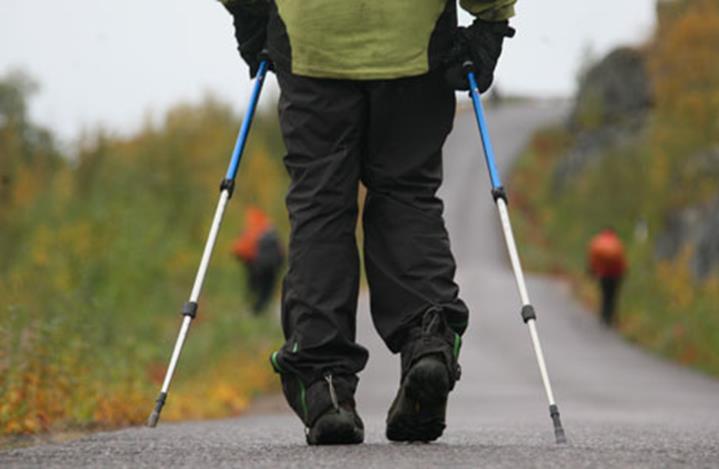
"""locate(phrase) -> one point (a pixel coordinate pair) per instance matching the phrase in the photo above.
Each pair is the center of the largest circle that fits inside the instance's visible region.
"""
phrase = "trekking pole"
(189, 310)
(500, 199)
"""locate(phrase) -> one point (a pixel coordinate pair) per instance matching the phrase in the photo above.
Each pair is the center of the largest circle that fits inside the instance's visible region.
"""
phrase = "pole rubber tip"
(559, 434)
(155, 415)
(153, 419)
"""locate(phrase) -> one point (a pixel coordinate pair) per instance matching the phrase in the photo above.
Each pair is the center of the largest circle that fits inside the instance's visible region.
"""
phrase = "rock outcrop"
(695, 227)
(611, 106)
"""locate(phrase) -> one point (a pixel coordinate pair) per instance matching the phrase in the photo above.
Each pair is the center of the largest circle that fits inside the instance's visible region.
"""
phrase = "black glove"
(250, 32)
(481, 44)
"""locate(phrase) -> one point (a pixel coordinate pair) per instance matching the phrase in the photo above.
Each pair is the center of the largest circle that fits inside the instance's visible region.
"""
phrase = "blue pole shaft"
(484, 132)
(246, 122)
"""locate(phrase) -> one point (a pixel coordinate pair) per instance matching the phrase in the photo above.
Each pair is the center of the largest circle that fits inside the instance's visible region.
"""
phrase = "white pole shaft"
(197, 287)
(512, 248)
(176, 352)
(522, 287)
(209, 246)
(540, 360)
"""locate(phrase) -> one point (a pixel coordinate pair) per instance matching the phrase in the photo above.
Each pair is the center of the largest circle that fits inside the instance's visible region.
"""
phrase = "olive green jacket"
(363, 39)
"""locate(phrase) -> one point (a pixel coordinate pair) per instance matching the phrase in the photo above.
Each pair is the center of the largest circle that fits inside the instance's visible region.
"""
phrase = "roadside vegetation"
(98, 251)
(640, 155)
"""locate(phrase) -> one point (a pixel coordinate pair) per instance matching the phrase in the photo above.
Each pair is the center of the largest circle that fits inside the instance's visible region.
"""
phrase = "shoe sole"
(420, 410)
(335, 431)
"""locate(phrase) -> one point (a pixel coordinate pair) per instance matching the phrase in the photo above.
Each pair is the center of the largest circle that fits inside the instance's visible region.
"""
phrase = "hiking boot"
(326, 406)
(337, 426)
(429, 372)
(418, 412)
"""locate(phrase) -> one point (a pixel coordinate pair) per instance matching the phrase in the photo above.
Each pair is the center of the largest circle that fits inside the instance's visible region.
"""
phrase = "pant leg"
(251, 285)
(609, 287)
(322, 123)
(409, 263)
(265, 286)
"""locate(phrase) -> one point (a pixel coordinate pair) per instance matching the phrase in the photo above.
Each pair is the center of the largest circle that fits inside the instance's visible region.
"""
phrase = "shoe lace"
(431, 322)
(333, 395)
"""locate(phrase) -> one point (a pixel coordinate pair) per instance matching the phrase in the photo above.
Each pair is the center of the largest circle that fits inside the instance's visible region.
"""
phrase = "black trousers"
(609, 287)
(261, 284)
(388, 134)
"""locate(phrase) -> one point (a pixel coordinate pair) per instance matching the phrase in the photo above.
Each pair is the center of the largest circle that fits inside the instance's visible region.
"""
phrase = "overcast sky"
(110, 62)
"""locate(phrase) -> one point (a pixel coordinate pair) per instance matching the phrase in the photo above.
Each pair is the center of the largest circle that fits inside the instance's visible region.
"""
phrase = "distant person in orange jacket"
(608, 264)
(260, 251)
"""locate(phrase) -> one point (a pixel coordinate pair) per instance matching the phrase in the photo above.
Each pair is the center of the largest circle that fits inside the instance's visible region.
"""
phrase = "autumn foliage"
(636, 187)
(98, 250)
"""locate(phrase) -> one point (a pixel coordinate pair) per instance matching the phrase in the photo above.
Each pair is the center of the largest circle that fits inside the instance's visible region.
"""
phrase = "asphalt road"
(621, 407)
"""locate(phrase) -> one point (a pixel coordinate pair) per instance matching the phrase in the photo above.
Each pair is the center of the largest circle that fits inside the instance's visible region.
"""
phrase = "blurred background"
(121, 63)
(116, 124)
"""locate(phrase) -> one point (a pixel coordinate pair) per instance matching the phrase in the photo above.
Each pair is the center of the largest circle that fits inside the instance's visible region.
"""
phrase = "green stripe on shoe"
(457, 344)
(275, 363)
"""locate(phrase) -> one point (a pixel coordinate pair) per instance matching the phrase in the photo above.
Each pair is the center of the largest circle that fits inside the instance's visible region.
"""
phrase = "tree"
(25, 148)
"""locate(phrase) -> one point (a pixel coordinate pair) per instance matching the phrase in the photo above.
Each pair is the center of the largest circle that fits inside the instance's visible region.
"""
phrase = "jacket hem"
(358, 73)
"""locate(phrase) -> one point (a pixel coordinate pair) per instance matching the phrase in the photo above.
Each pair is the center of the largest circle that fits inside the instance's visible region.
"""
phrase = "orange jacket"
(256, 224)
(606, 255)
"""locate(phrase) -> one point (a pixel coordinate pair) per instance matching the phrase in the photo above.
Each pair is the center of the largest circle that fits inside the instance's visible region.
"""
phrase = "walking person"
(259, 249)
(368, 94)
(607, 264)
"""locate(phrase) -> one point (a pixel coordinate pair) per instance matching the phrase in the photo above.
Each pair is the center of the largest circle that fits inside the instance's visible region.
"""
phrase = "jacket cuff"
(488, 10)
(497, 14)
(252, 7)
